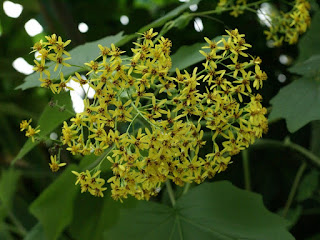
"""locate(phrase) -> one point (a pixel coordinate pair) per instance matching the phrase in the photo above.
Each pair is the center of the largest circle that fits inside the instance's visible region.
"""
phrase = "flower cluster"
(30, 131)
(153, 126)
(52, 50)
(236, 7)
(92, 184)
(287, 27)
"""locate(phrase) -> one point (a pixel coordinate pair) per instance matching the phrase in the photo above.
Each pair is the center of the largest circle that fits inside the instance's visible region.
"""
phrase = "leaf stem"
(186, 188)
(171, 193)
(246, 169)
(226, 9)
(276, 143)
(17, 223)
(294, 188)
(99, 159)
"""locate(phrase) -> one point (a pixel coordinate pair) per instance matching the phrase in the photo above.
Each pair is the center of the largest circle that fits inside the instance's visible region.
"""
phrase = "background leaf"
(54, 207)
(50, 119)
(298, 103)
(175, 12)
(186, 56)
(308, 186)
(80, 55)
(8, 185)
(308, 68)
(103, 211)
(36, 233)
(210, 211)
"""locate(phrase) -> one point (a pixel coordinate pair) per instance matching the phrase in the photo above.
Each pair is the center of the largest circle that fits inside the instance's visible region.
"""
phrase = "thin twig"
(294, 188)
(171, 193)
(246, 169)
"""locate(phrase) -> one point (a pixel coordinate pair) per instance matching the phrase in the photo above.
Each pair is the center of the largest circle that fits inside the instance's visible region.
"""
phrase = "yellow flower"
(93, 65)
(47, 83)
(59, 60)
(25, 124)
(38, 46)
(31, 132)
(41, 68)
(59, 47)
(54, 165)
(63, 83)
(51, 39)
(148, 35)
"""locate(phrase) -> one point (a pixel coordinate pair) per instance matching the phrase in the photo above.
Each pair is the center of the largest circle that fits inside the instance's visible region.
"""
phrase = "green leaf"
(186, 56)
(309, 43)
(293, 215)
(103, 211)
(80, 55)
(50, 119)
(54, 207)
(9, 108)
(175, 12)
(308, 186)
(182, 21)
(36, 233)
(309, 68)
(89, 51)
(210, 211)
(8, 185)
(298, 103)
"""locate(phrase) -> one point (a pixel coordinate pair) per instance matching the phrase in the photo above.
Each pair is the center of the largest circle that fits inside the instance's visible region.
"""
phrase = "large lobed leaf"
(216, 211)
(54, 207)
(298, 103)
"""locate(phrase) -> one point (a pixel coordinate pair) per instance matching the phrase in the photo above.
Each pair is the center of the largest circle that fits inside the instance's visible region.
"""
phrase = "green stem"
(246, 169)
(64, 108)
(256, 3)
(171, 193)
(99, 159)
(141, 114)
(226, 9)
(186, 188)
(132, 122)
(294, 188)
(12, 229)
(18, 225)
(275, 143)
(164, 30)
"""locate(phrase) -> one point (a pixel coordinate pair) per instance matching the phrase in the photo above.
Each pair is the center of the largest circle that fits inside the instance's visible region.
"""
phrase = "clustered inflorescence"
(283, 27)
(154, 126)
(236, 7)
(30, 131)
(287, 27)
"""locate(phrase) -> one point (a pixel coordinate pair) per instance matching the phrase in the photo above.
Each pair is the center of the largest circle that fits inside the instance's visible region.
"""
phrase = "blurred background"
(24, 22)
